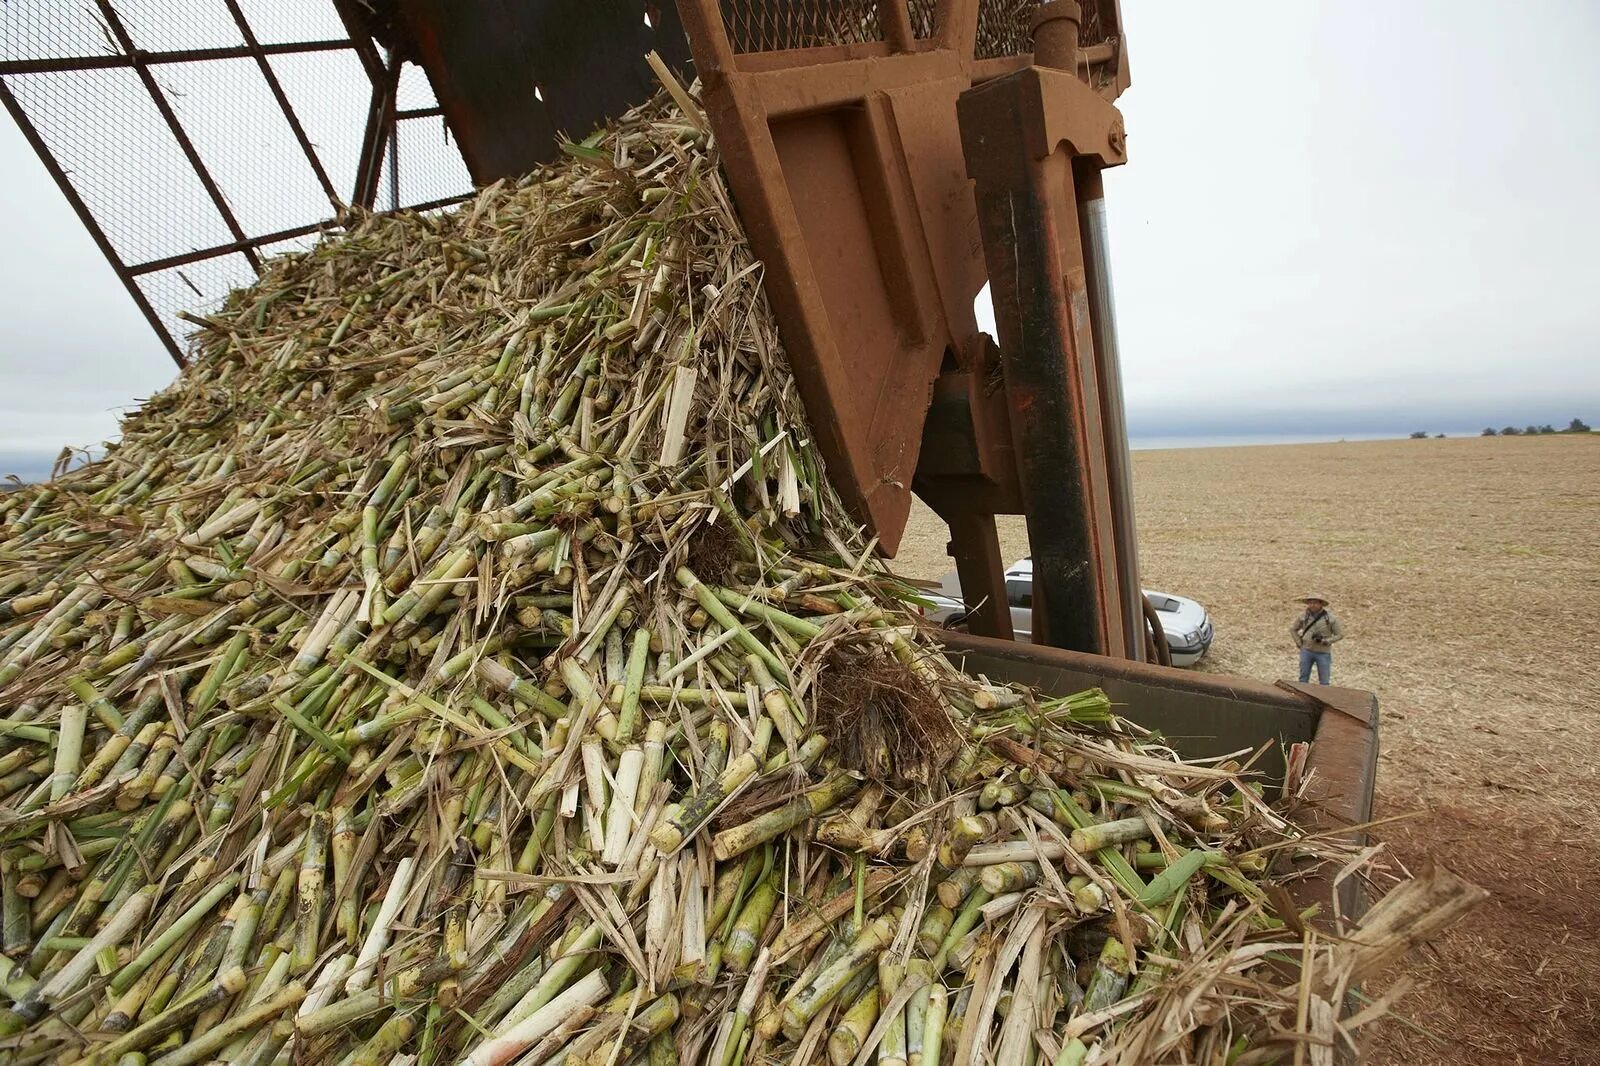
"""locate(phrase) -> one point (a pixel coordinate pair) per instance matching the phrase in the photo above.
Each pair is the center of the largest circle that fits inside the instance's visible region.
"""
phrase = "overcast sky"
(1336, 218)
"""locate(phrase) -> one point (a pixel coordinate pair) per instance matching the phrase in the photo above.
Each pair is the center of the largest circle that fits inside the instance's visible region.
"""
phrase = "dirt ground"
(1467, 575)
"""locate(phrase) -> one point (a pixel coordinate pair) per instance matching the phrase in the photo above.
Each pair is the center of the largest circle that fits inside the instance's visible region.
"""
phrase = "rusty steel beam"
(981, 570)
(98, 235)
(354, 15)
(150, 266)
(392, 138)
(894, 22)
(846, 166)
(379, 125)
(127, 61)
(1021, 135)
(1108, 373)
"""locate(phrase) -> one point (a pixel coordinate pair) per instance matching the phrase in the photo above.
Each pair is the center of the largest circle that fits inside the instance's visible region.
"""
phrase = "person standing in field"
(1315, 633)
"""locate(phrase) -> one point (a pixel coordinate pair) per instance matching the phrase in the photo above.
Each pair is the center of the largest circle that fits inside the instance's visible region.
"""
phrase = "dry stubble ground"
(1467, 574)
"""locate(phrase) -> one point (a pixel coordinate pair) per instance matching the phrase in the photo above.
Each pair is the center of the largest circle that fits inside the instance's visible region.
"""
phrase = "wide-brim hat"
(1317, 596)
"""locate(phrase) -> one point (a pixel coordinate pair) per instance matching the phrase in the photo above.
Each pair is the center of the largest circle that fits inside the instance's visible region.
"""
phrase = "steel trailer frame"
(377, 156)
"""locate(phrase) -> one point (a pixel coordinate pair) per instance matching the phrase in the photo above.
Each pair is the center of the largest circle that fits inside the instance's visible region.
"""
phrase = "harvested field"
(1466, 572)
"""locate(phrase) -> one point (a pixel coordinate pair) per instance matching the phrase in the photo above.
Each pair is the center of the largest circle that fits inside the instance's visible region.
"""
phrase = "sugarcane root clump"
(467, 660)
(880, 717)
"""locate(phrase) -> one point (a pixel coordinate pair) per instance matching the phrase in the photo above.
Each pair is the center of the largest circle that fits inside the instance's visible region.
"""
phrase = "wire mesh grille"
(924, 17)
(162, 26)
(228, 112)
(38, 29)
(276, 22)
(776, 25)
(107, 135)
(183, 223)
(1003, 28)
(329, 93)
(430, 166)
(198, 288)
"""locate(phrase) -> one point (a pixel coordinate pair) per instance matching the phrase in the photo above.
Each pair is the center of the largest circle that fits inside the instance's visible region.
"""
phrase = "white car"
(1184, 622)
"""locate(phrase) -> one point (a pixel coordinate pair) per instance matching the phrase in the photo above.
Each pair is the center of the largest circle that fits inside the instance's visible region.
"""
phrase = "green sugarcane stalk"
(499, 677)
(1109, 834)
(69, 751)
(308, 917)
(963, 835)
(1170, 881)
(714, 607)
(803, 1005)
(847, 1038)
(162, 1019)
(682, 821)
(66, 980)
(806, 631)
(748, 927)
(125, 1008)
(916, 1009)
(774, 823)
(15, 923)
(892, 1049)
(777, 704)
(964, 923)
(1006, 877)
(200, 1050)
(638, 658)
(1122, 872)
(96, 704)
(1110, 978)
(387, 1041)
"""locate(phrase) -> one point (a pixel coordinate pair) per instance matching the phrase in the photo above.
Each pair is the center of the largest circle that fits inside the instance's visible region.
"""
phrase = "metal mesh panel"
(183, 206)
(39, 29)
(1003, 28)
(924, 17)
(329, 93)
(414, 93)
(163, 26)
(430, 167)
(228, 112)
(776, 25)
(198, 288)
(285, 21)
(1092, 29)
(106, 133)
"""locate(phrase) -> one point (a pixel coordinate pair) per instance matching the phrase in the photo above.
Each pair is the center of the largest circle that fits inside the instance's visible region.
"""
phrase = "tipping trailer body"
(888, 158)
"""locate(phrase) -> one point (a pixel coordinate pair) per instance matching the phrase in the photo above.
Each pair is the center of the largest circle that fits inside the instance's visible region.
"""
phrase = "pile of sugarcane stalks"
(466, 660)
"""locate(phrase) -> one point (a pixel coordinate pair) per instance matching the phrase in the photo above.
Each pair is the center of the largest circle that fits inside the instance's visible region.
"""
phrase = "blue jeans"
(1324, 661)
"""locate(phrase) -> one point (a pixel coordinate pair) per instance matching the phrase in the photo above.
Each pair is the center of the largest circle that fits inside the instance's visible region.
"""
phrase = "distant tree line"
(1577, 425)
